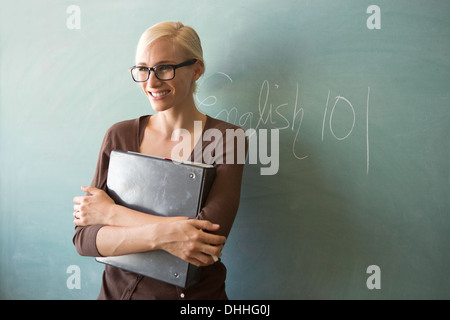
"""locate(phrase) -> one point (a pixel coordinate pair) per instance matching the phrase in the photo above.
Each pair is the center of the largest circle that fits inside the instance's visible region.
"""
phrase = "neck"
(168, 121)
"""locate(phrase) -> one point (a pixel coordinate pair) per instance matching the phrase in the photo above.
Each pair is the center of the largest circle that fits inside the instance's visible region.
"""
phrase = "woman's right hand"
(188, 240)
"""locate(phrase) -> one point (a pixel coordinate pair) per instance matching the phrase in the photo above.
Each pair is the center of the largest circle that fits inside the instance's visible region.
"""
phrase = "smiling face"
(175, 93)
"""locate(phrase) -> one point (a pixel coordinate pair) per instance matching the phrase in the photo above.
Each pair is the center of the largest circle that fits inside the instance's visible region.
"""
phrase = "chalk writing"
(290, 116)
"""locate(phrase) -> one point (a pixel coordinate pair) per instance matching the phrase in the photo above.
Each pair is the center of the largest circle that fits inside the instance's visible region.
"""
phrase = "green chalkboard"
(358, 206)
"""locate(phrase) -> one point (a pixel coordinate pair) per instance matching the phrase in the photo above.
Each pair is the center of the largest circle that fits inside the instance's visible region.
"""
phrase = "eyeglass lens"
(163, 72)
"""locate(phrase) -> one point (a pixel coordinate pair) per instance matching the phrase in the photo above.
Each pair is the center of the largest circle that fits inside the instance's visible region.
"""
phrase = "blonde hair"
(184, 38)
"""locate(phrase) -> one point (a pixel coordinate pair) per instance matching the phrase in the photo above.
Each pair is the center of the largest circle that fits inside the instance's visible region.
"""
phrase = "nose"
(153, 81)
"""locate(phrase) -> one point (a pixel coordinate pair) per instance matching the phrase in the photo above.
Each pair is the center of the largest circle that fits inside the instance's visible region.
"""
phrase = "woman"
(169, 61)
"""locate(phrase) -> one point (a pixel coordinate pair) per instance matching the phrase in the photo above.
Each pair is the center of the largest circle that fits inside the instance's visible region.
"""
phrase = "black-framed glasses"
(163, 72)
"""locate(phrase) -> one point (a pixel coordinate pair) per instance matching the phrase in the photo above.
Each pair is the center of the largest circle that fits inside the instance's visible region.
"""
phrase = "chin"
(159, 107)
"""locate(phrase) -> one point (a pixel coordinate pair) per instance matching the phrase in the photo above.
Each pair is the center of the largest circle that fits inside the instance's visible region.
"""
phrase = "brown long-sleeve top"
(221, 207)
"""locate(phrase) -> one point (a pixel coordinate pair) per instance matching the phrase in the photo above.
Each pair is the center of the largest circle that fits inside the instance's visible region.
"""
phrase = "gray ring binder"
(161, 187)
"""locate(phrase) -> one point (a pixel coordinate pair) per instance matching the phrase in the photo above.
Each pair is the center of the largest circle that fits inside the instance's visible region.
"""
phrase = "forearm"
(117, 240)
(125, 217)
(184, 239)
(97, 208)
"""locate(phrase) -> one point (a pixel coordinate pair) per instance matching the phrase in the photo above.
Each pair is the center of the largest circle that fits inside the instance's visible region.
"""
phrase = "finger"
(213, 239)
(78, 199)
(213, 251)
(201, 260)
(201, 254)
(195, 262)
(77, 222)
(79, 219)
(204, 225)
(90, 190)
(78, 215)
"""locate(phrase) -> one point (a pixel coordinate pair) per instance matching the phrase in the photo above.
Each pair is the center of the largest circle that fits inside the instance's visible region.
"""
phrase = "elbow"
(84, 241)
(78, 244)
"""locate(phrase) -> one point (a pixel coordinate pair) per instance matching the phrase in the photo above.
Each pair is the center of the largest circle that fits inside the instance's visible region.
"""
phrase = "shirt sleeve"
(222, 203)
(85, 238)
(124, 135)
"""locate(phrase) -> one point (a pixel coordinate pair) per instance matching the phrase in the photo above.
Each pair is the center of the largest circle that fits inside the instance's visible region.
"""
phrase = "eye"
(141, 69)
(164, 68)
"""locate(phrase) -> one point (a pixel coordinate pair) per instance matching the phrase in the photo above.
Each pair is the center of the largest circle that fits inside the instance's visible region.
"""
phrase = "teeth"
(160, 94)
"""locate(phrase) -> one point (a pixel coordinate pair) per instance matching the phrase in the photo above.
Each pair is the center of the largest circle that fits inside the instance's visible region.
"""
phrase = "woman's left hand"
(92, 209)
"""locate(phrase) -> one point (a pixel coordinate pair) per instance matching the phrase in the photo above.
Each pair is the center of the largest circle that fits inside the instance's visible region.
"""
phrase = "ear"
(199, 69)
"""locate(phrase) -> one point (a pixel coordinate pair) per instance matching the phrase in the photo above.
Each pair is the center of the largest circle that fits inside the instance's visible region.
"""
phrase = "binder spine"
(206, 184)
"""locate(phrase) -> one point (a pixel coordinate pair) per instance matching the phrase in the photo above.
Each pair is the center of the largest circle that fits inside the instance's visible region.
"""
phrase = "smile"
(159, 94)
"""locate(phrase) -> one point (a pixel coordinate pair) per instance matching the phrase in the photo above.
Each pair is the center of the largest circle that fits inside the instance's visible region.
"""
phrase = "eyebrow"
(144, 64)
